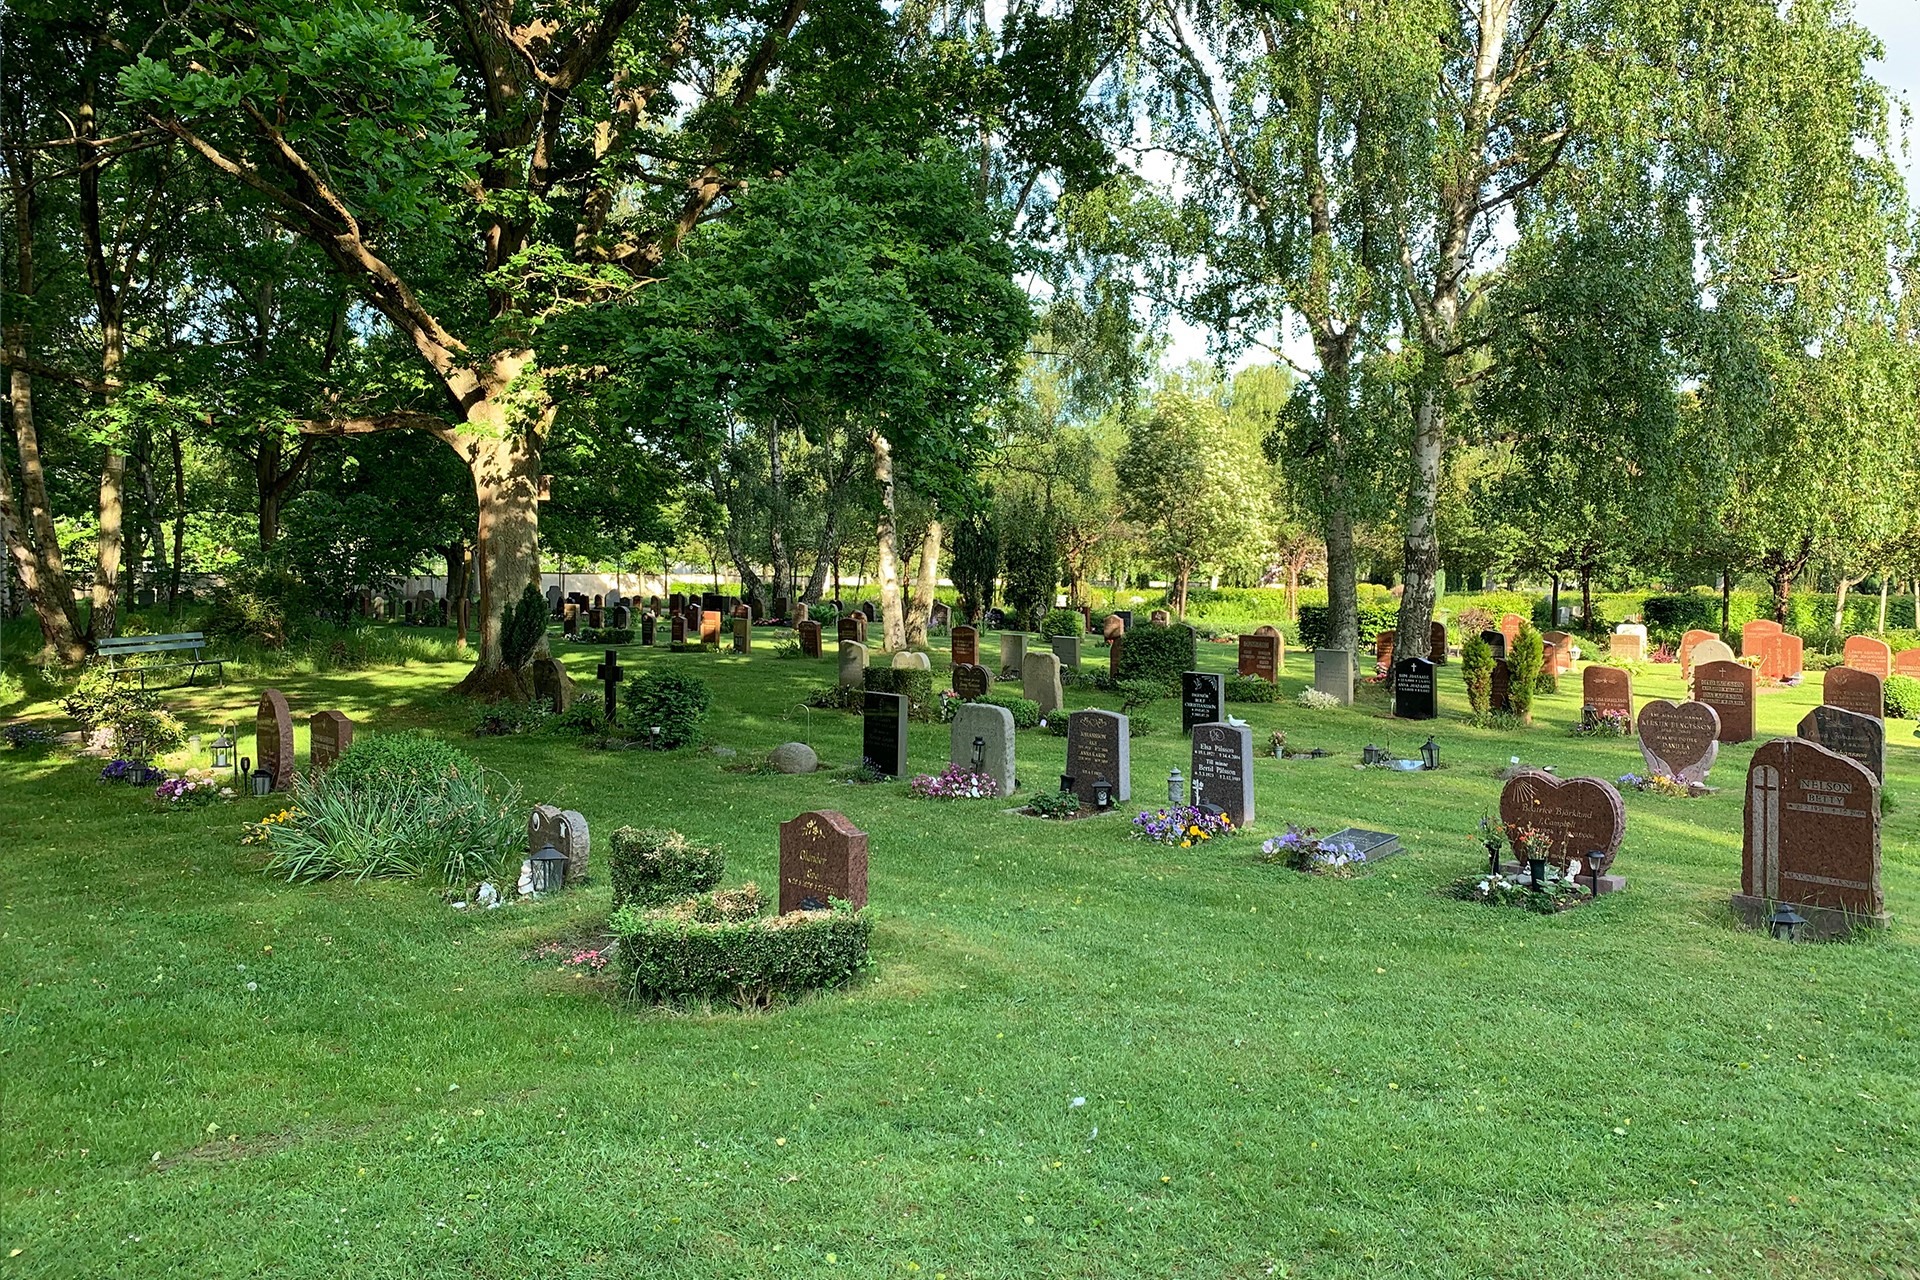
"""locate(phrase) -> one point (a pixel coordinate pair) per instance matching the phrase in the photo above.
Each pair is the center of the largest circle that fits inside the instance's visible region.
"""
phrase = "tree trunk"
(109, 302)
(886, 549)
(1343, 594)
(924, 583)
(1553, 600)
(1422, 543)
(782, 560)
(179, 516)
(506, 485)
(1882, 627)
(1586, 595)
(1182, 573)
(1840, 589)
(103, 622)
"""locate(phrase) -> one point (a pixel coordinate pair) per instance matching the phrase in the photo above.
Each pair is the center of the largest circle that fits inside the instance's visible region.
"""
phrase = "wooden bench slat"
(185, 639)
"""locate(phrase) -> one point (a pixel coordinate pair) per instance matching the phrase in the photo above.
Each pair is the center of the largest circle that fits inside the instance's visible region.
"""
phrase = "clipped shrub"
(139, 723)
(1902, 698)
(652, 866)
(917, 685)
(1476, 669)
(1136, 693)
(1063, 622)
(585, 716)
(605, 635)
(522, 624)
(1251, 689)
(1524, 660)
(837, 697)
(673, 955)
(1025, 711)
(1159, 652)
(397, 761)
(675, 701)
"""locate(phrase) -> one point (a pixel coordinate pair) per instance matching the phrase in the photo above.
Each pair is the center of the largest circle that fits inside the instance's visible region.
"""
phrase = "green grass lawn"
(1283, 1075)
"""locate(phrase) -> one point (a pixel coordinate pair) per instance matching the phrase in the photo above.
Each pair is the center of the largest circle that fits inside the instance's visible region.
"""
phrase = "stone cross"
(610, 673)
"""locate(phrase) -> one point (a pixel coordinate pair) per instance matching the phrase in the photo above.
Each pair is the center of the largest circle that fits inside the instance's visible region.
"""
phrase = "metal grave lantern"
(549, 870)
(1429, 754)
(223, 751)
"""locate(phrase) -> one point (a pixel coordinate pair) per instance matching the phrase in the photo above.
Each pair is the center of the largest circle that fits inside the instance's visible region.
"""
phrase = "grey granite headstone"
(1040, 681)
(994, 726)
(1097, 748)
(1223, 769)
(1333, 674)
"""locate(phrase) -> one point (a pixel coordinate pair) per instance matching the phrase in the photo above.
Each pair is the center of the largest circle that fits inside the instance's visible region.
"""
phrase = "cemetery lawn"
(206, 1072)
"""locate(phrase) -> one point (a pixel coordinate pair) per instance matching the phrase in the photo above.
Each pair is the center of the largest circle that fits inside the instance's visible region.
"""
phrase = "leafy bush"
(1524, 659)
(1061, 805)
(258, 605)
(1375, 616)
(605, 635)
(1251, 689)
(1158, 652)
(652, 866)
(917, 685)
(823, 613)
(397, 762)
(507, 717)
(673, 955)
(522, 625)
(1821, 661)
(674, 701)
(1902, 695)
(1476, 669)
(140, 725)
(585, 716)
(1063, 622)
(1314, 700)
(837, 697)
(1136, 693)
(1025, 711)
(1138, 726)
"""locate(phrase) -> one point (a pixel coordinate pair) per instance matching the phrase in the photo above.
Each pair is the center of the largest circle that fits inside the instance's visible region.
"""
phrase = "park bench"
(120, 648)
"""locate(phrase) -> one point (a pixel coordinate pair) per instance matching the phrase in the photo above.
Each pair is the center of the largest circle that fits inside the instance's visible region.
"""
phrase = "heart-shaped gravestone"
(1577, 816)
(1680, 739)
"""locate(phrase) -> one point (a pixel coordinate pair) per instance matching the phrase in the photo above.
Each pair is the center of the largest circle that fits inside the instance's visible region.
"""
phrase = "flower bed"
(1603, 724)
(956, 782)
(192, 789)
(1662, 784)
(1556, 892)
(1183, 825)
(1304, 849)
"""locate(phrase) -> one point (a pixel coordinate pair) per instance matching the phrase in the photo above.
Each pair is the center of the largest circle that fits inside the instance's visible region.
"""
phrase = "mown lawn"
(1282, 1075)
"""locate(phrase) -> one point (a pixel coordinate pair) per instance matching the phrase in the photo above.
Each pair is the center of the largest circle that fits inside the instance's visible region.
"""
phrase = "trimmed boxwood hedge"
(723, 947)
(652, 866)
(916, 684)
(1251, 689)
(1158, 651)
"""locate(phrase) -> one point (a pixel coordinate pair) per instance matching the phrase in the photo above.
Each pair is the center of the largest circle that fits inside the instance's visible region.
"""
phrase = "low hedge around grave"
(605, 635)
(916, 684)
(1251, 689)
(1159, 651)
(1025, 711)
(652, 866)
(724, 947)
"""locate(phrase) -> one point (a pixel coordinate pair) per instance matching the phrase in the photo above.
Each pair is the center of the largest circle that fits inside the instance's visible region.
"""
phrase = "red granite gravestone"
(966, 646)
(1782, 656)
(1864, 653)
(1510, 624)
(853, 627)
(1383, 651)
(1607, 689)
(1279, 647)
(809, 633)
(1729, 688)
(1907, 663)
(710, 628)
(1812, 838)
(1113, 658)
(1501, 698)
(1679, 739)
(273, 738)
(1857, 737)
(1754, 636)
(1687, 644)
(329, 733)
(822, 856)
(1437, 643)
(1577, 815)
(1260, 656)
(1558, 655)
(1855, 690)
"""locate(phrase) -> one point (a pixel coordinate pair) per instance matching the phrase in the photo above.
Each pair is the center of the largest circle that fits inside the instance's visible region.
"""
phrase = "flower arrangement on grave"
(1528, 841)
(955, 782)
(1277, 744)
(1184, 825)
(117, 770)
(192, 789)
(1304, 849)
(1557, 890)
(1659, 784)
(1611, 723)
(1315, 700)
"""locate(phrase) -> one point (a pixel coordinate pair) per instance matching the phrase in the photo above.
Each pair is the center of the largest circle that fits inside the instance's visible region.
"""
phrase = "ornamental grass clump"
(1183, 825)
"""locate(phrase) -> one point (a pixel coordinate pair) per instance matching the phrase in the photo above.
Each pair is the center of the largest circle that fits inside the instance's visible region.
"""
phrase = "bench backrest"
(153, 644)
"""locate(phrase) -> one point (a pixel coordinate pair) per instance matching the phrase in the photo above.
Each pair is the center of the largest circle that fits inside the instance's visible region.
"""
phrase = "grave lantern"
(262, 781)
(979, 755)
(1429, 754)
(223, 751)
(1596, 861)
(1371, 754)
(549, 870)
(654, 739)
(1176, 787)
(1785, 922)
(1102, 794)
(1066, 783)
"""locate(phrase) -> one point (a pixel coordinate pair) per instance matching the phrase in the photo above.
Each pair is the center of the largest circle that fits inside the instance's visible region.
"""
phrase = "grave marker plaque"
(710, 628)
(883, 732)
(1558, 653)
(1628, 647)
(972, 681)
(822, 856)
(1496, 641)
(1067, 649)
(742, 634)
(1383, 651)
(329, 733)
(648, 625)
(1812, 838)
(1607, 689)
(273, 738)
(1098, 748)
(1203, 699)
(1907, 663)
(566, 831)
(1223, 769)
(1333, 674)
(853, 628)
(1857, 691)
(677, 632)
(1729, 688)
(1510, 624)
(1679, 739)
(1416, 694)
(1688, 642)
(1848, 733)
(1260, 656)
(966, 645)
(994, 727)
(1864, 653)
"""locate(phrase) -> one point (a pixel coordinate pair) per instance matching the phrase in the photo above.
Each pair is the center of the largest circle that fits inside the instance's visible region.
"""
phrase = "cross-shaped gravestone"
(610, 673)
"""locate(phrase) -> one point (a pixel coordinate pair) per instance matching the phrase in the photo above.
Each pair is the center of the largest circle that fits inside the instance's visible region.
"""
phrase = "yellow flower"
(1186, 844)
(1193, 830)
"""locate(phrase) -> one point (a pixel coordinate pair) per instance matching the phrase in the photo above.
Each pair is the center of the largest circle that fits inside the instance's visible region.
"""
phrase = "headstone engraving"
(853, 627)
(1607, 689)
(1812, 838)
(1782, 656)
(1578, 815)
(1729, 688)
(1864, 653)
(1203, 699)
(1333, 674)
(1754, 634)
(1223, 769)
(994, 727)
(809, 634)
(328, 733)
(822, 856)
(1848, 733)
(1416, 694)
(972, 681)
(1627, 646)
(1040, 681)
(1496, 641)
(273, 738)
(1260, 656)
(1679, 739)
(1855, 690)
(1098, 749)
(883, 732)
(1907, 663)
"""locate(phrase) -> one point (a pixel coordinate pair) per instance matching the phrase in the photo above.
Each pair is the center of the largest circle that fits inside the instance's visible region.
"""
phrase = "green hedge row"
(723, 947)
(1156, 652)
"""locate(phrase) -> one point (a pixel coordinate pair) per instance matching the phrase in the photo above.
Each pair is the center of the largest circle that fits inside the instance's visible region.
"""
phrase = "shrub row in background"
(1156, 652)
(605, 635)
(652, 866)
(917, 685)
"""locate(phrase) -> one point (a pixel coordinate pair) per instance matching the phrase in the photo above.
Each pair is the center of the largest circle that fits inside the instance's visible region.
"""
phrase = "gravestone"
(1496, 641)
(1098, 748)
(1729, 688)
(1812, 839)
(597, 617)
(696, 624)
(710, 601)
(1578, 816)
(883, 732)
(742, 634)
(853, 664)
(1857, 737)
(599, 601)
(1416, 695)
(1628, 647)
(570, 619)
(1333, 674)
(1713, 649)
(1160, 616)
(911, 660)
(1782, 656)
(1864, 653)
(822, 856)
(709, 628)
(1437, 643)
(1854, 690)
(273, 738)
(1500, 687)
(1679, 739)
(1907, 663)
(1383, 651)
(1557, 655)
(782, 608)
(1223, 770)
(940, 617)
(623, 617)
(1126, 619)
(966, 644)
(1113, 628)
(1279, 646)
(809, 634)
(1203, 699)
(329, 733)
(971, 680)
(853, 628)
(1040, 681)
(1260, 656)
(1113, 657)
(1013, 654)
(566, 831)
(648, 625)
(677, 633)
(1754, 634)
(871, 610)
(1510, 624)
(551, 687)
(1067, 650)
(994, 726)
(609, 671)
(1607, 689)
(677, 602)
(1688, 642)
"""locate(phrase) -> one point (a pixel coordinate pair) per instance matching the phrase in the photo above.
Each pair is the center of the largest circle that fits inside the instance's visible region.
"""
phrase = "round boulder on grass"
(794, 757)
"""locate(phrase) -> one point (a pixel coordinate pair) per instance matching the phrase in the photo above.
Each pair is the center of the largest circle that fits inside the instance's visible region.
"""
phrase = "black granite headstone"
(1202, 699)
(883, 737)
